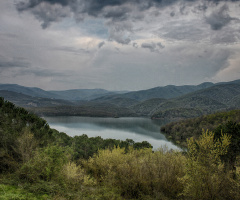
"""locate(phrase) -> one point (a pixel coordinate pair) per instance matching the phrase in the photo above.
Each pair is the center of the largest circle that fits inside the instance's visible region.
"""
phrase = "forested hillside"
(37, 162)
(27, 101)
(30, 91)
(166, 92)
(169, 102)
(182, 130)
(20, 127)
(220, 97)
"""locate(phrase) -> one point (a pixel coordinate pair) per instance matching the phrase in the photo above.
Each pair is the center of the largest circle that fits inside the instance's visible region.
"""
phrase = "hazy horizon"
(118, 90)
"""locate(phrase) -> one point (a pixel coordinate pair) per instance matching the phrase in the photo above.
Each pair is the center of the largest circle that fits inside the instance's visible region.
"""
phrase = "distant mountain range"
(27, 101)
(167, 92)
(83, 94)
(70, 95)
(159, 102)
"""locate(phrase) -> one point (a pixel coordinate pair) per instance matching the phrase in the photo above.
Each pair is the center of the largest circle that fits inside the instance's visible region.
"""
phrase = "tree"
(233, 130)
(205, 177)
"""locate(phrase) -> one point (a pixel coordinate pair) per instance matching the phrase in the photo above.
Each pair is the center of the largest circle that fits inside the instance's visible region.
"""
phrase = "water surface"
(138, 129)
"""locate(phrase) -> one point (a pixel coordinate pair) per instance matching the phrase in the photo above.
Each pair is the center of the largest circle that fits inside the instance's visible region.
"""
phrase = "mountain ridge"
(187, 101)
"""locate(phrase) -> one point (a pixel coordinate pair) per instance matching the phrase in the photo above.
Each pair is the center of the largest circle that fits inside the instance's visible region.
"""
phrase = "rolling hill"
(167, 92)
(172, 102)
(148, 107)
(82, 94)
(70, 95)
(27, 101)
(30, 91)
(217, 98)
(116, 100)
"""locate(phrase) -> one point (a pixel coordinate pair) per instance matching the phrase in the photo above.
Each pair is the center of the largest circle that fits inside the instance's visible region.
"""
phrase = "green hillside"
(148, 107)
(166, 92)
(88, 110)
(27, 101)
(30, 91)
(217, 98)
(182, 130)
(116, 100)
(81, 94)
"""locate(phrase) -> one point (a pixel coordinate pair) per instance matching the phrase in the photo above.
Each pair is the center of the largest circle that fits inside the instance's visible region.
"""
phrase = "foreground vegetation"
(37, 162)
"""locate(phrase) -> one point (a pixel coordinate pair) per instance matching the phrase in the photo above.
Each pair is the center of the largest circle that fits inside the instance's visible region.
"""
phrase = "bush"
(139, 173)
(46, 164)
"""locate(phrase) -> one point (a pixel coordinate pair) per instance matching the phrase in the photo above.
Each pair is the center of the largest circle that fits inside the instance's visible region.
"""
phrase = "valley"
(168, 102)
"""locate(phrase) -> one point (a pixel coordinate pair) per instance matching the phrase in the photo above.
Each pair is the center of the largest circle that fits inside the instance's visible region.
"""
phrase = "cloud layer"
(118, 44)
(122, 16)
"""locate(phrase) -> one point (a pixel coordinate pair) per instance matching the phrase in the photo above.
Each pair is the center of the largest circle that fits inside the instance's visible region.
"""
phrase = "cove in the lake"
(138, 129)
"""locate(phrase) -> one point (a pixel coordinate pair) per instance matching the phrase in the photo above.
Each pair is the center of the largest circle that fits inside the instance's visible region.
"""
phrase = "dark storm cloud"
(159, 44)
(72, 50)
(119, 31)
(172, 14)
(97, 5)
(101, 44)
(227, 37)
(24, 5)
(120, 15)
(220, 18)
(116, 13)
(135, 45)
(49, 14)
(14, 62)
(54, 10)
(153, 47)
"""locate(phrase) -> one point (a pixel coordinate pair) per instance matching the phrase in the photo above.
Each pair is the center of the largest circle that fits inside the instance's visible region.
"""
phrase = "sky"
(118, 44)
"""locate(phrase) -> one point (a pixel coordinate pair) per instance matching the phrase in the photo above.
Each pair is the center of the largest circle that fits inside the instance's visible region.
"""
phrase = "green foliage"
(8, 192)
(25, 145)
(202, 102)
(177, 113)
(185, 129)
(46, 164)
(89, 110)
(85, 147)
(138, 173)
(232, 129)
(15, 124)
(146, 108)
(205, 177)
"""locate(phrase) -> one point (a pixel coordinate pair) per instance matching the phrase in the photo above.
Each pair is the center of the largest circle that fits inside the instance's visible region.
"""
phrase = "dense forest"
(182, 130)
(37, 162)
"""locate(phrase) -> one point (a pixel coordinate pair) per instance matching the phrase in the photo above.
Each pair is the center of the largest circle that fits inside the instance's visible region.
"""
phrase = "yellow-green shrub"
(46, 164)
(205, 176)
(139, 172)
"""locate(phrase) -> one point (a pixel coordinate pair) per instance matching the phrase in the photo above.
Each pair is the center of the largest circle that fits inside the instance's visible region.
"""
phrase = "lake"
(138, 129)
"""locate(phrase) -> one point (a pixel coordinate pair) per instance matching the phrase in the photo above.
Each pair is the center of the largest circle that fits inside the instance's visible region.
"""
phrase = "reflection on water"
(138, 129)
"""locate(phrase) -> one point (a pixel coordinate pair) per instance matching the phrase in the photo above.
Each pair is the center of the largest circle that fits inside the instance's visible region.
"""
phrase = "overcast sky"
(118, 44)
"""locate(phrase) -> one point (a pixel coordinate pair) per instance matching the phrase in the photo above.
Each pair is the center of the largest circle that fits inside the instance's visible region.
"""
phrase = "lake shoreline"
(137, 128)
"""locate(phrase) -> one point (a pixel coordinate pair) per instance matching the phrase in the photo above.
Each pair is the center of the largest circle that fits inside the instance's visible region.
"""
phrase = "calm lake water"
(138, 129)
